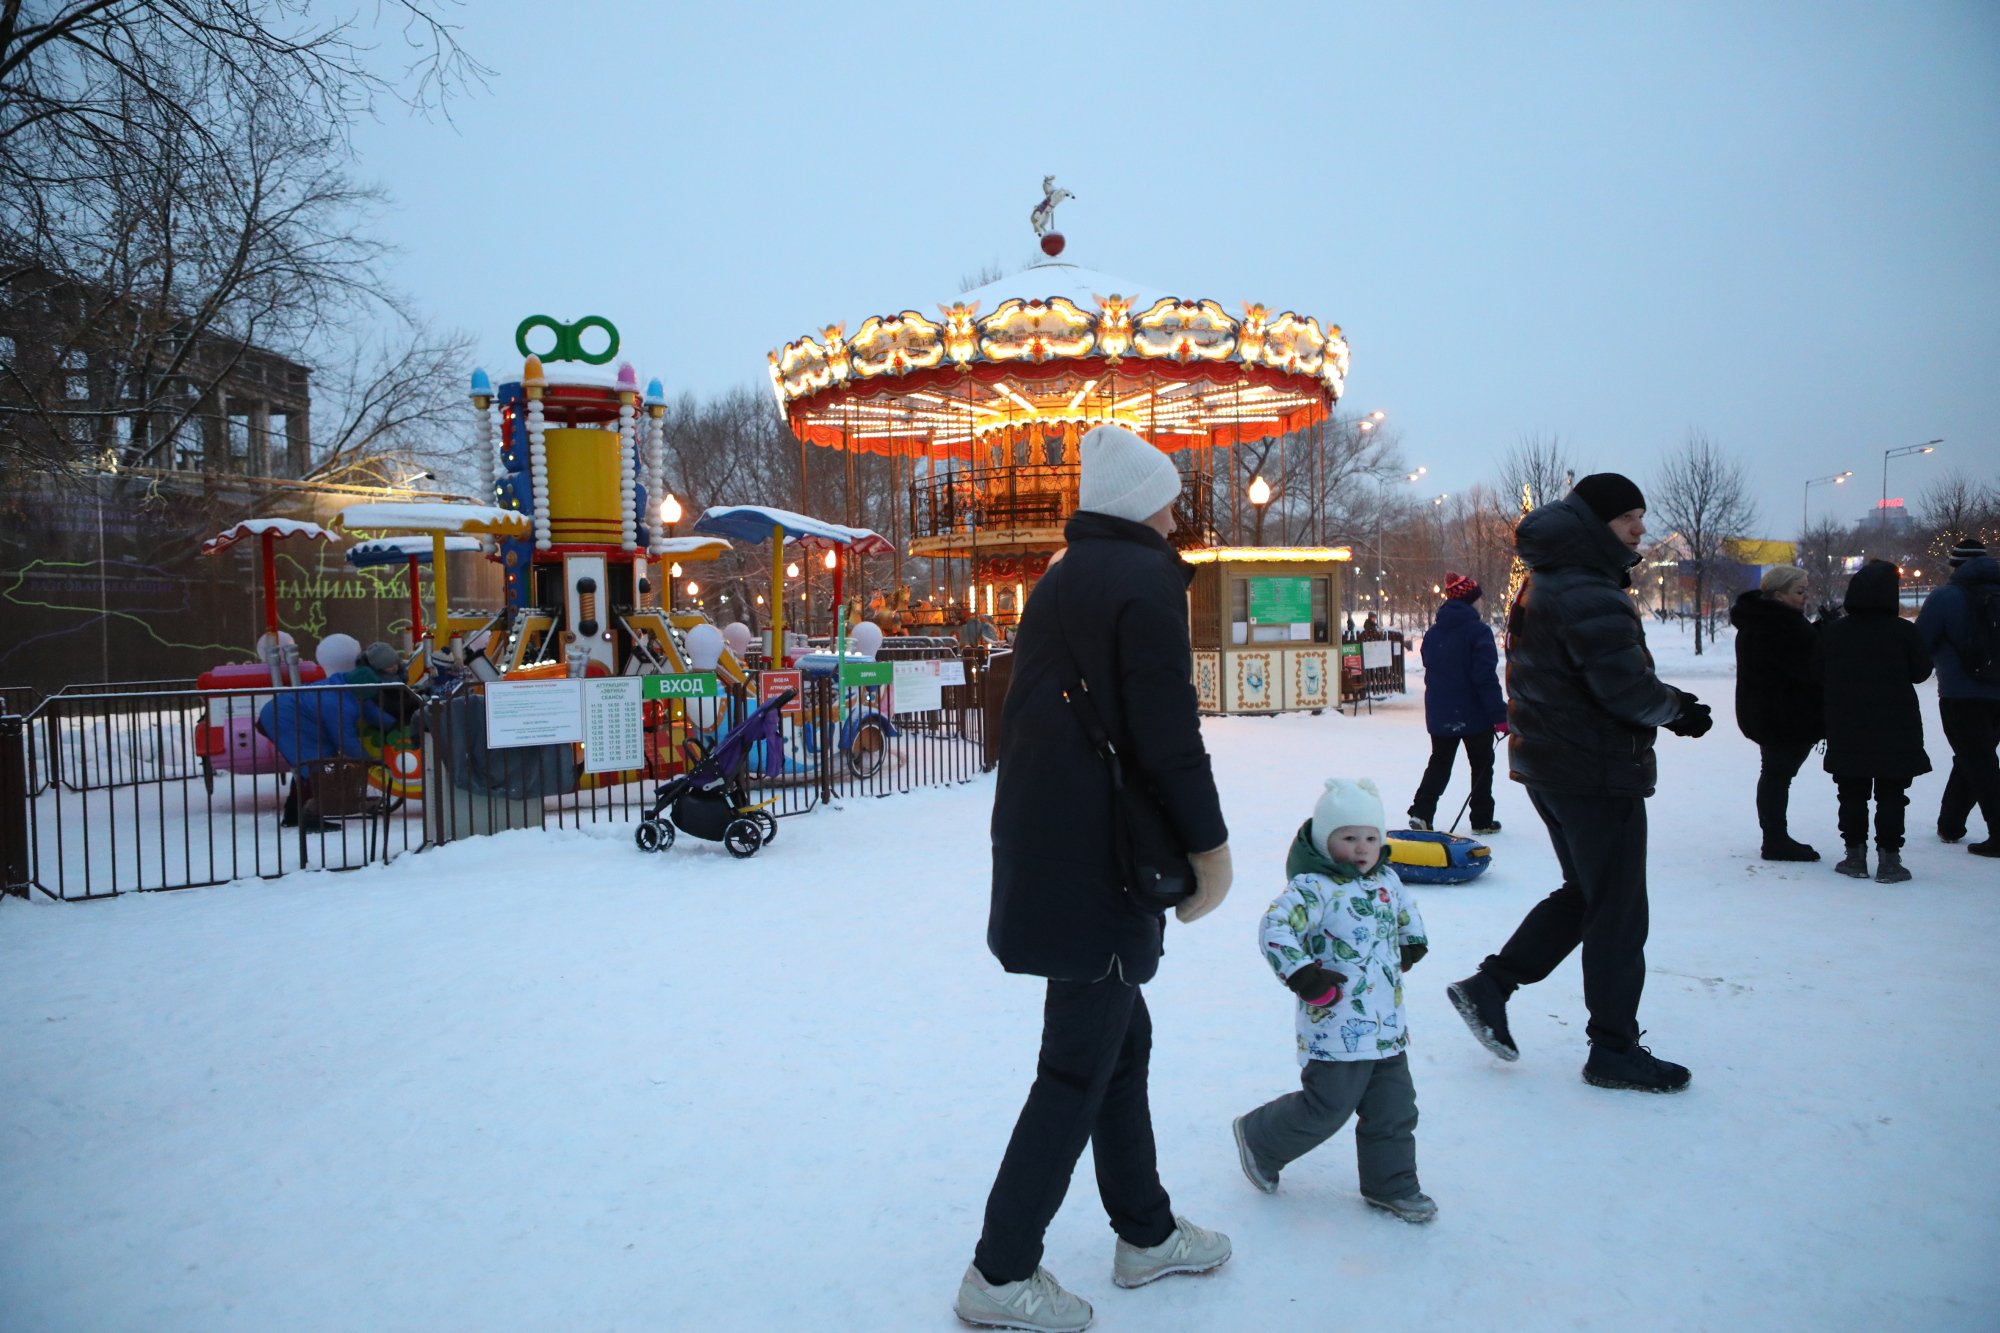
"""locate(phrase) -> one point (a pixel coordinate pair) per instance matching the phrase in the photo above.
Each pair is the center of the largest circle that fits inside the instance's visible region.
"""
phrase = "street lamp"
(1928, 447)
(1260, 495)
(670, 514)
(1805, 509)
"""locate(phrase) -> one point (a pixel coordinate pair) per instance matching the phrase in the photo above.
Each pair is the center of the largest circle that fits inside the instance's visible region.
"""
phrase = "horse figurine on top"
(1043, 219)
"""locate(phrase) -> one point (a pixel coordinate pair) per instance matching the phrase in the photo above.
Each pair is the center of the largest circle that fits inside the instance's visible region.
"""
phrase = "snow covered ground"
(540, 1081)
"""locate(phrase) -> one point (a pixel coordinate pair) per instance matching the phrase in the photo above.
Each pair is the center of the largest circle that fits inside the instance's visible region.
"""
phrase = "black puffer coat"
(1058, 909)
(1871, 659)
(1778, 697)
(1582, 699)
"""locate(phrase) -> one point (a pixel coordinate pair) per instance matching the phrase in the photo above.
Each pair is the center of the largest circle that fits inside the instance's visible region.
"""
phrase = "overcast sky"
(1610, 222)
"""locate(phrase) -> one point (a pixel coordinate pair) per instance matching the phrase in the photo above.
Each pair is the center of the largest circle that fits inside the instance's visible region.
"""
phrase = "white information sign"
(614, 724)
(1302, 631)
(951, 671)
(919, 687)
(1374, 654)
(533, 712)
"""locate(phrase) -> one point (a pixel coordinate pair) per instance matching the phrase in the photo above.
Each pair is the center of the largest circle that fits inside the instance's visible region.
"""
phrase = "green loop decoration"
(569, 339)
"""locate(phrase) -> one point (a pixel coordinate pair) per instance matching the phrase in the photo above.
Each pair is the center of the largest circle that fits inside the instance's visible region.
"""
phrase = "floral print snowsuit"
(1356, 927)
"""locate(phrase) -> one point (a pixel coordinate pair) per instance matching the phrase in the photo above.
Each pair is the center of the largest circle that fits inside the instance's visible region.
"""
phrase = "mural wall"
(104, 580)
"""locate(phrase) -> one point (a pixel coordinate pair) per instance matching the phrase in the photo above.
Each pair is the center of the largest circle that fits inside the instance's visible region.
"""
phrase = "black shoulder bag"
(1152, 859)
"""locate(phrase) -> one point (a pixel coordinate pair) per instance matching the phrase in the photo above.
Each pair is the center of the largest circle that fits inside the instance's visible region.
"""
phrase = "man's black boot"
(1481, 1004)
(1633, 1068)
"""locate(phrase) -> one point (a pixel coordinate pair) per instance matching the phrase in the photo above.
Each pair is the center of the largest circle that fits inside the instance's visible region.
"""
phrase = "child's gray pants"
(1377, 1093)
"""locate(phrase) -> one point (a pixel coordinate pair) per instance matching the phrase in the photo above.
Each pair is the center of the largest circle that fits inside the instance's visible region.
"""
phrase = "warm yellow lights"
(694, 588)
(1267, 554)
(792, 570)
(1260, 491)
(670, 509)
(675, 571)
(831, 560)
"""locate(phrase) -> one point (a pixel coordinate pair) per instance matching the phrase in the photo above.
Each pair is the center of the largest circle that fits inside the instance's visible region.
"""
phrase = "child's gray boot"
(1855, 863)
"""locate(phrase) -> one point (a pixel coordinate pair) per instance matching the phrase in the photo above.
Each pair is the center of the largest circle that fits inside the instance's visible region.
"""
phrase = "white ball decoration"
(865, 640)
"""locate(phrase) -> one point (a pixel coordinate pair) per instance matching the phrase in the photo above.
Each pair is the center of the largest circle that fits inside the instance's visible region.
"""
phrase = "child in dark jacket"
(1873, 660)
(1340, 937)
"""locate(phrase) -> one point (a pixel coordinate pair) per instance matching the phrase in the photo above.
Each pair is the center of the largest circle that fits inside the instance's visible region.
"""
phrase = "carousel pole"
(778, 598)
(441, 619)
(416, 608)
(268, 542)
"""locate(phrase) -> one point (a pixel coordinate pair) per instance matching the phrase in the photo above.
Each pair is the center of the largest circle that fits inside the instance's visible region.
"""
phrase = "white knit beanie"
(1347, 801)
(1125, 477)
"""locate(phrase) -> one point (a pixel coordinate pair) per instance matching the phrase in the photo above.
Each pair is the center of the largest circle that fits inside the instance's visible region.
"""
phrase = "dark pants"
(1090, 1087)
(1891, 796)
(1377, 1093)
(1774, 786)
(1479, 754)
(1972, 728)
(1601, 843)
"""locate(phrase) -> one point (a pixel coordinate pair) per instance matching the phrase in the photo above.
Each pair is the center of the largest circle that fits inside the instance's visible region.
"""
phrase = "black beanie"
(1608, 494)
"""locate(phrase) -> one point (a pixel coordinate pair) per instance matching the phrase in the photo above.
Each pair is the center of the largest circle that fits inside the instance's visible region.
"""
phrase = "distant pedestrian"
(1778, 697)
(1340, 937)
(1960, 628)
(1463, 705)
(1872, 661)
(1582, 706)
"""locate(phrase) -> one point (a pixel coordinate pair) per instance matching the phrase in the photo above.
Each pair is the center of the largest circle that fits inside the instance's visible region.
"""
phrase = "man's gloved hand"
(1694, 718)
(1212, 873)
(1316, 984)
(1412, 954)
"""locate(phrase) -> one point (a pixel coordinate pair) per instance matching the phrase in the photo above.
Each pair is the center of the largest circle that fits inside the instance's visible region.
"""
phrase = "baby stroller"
(709, 801)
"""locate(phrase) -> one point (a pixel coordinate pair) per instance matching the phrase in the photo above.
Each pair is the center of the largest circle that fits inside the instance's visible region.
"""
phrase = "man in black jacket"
(1583, 703)
(1112, 610)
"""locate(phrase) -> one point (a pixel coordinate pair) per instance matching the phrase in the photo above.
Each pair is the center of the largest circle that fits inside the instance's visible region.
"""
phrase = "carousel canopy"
(280, 528)
(430, 516)
(397, 550)
(753, 523)
(1060, 346)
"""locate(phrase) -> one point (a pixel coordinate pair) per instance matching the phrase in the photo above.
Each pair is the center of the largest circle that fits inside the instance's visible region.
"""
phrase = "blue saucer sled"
(1424, 857)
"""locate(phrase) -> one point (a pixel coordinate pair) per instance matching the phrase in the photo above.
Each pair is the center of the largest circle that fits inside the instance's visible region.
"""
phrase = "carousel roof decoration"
(278, 528)
(1063, 345)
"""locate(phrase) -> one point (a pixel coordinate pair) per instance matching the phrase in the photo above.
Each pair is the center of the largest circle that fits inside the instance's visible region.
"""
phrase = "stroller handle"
(783, 697)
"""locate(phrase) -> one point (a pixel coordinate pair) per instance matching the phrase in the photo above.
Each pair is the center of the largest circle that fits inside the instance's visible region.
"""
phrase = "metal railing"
(109, 791)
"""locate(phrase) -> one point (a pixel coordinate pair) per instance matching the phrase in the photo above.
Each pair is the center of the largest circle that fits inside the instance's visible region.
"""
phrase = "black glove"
(1414, 954)
(1312, 981)
(1694, 718)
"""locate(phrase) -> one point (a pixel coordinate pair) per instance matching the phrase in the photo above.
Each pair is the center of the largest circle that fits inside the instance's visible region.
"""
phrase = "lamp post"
(1928, 447)
(1805, 509)
(1260, 495)
(670, 514)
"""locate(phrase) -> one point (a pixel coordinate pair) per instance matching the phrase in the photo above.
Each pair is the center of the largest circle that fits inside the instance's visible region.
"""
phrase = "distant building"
(84, 368)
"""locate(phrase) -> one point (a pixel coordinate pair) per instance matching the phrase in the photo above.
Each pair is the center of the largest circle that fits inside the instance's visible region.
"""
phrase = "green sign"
(693, 685)
(867, 673)
(1280, 601)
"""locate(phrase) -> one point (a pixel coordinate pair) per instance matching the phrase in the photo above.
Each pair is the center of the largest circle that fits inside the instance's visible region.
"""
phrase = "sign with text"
(951, 671)
(771, 684)
(1280, 601)
(688, 685)
(1374, 654)
(919, 688)
(853, 674)
(533, 712)
(614, 724)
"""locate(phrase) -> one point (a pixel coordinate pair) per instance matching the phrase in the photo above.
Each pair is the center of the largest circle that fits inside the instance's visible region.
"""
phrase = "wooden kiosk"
(1264, 622)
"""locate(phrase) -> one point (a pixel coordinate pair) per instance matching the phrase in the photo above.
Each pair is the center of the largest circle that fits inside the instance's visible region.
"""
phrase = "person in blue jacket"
(1968, 706)
(312, 724)
(1462, 704)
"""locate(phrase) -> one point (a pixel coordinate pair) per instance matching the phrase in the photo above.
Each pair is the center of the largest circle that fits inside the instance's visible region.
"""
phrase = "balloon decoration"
(737, 635)
(704, 646)
(866, 639)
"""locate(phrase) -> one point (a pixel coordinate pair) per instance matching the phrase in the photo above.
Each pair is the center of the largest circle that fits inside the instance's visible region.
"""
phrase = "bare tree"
(1822, 553)
(1701, 495)
(1540, 466)
(1955, 509)
(399, 409)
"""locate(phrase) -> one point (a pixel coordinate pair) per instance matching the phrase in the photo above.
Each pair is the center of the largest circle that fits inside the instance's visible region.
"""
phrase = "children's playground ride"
(710, 800)
(1422, 856)
(414, 551)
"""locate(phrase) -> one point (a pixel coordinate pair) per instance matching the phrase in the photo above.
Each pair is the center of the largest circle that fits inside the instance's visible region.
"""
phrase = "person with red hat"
(1463, 705)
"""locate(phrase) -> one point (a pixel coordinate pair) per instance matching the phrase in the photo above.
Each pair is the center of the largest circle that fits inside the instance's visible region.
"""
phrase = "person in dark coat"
(1582, 706)
(1115, 607)
(1872, 660)
(1778, 697)
(1462, 704)
(1968, 707)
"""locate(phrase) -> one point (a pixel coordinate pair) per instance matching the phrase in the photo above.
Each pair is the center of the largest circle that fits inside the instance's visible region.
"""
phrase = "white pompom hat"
(1124, 476)
(1347, 801)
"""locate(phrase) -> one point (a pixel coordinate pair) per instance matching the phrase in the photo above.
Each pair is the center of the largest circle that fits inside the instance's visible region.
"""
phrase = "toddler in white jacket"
(1340, 937)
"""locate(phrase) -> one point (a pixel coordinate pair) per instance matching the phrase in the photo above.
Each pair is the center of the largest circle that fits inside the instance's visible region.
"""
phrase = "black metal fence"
(159, 785)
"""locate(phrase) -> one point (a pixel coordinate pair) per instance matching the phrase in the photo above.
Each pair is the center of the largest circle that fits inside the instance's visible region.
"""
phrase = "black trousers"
(1892, 796)
(1090, 1087)
(1774, 786)
(1601, 843)
(1972, 728)
(1479, 749)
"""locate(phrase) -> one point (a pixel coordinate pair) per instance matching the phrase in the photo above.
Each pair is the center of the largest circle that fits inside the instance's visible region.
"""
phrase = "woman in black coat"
(1871, 661)
(1778, 697)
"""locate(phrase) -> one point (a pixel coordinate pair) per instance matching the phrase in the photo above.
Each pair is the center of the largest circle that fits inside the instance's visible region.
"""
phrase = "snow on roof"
(433, 516)
(395, 550)
(694, 548)
(281, 528)
(1081, 286)
(753, 524)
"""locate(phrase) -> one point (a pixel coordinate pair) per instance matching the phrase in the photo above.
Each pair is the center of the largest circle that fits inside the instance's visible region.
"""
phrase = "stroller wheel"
(742, 837)
(865, 754)
(653, 835)
(767, 823)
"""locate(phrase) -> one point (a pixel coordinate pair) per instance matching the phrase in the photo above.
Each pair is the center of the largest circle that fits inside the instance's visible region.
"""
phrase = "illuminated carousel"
(980, 409)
